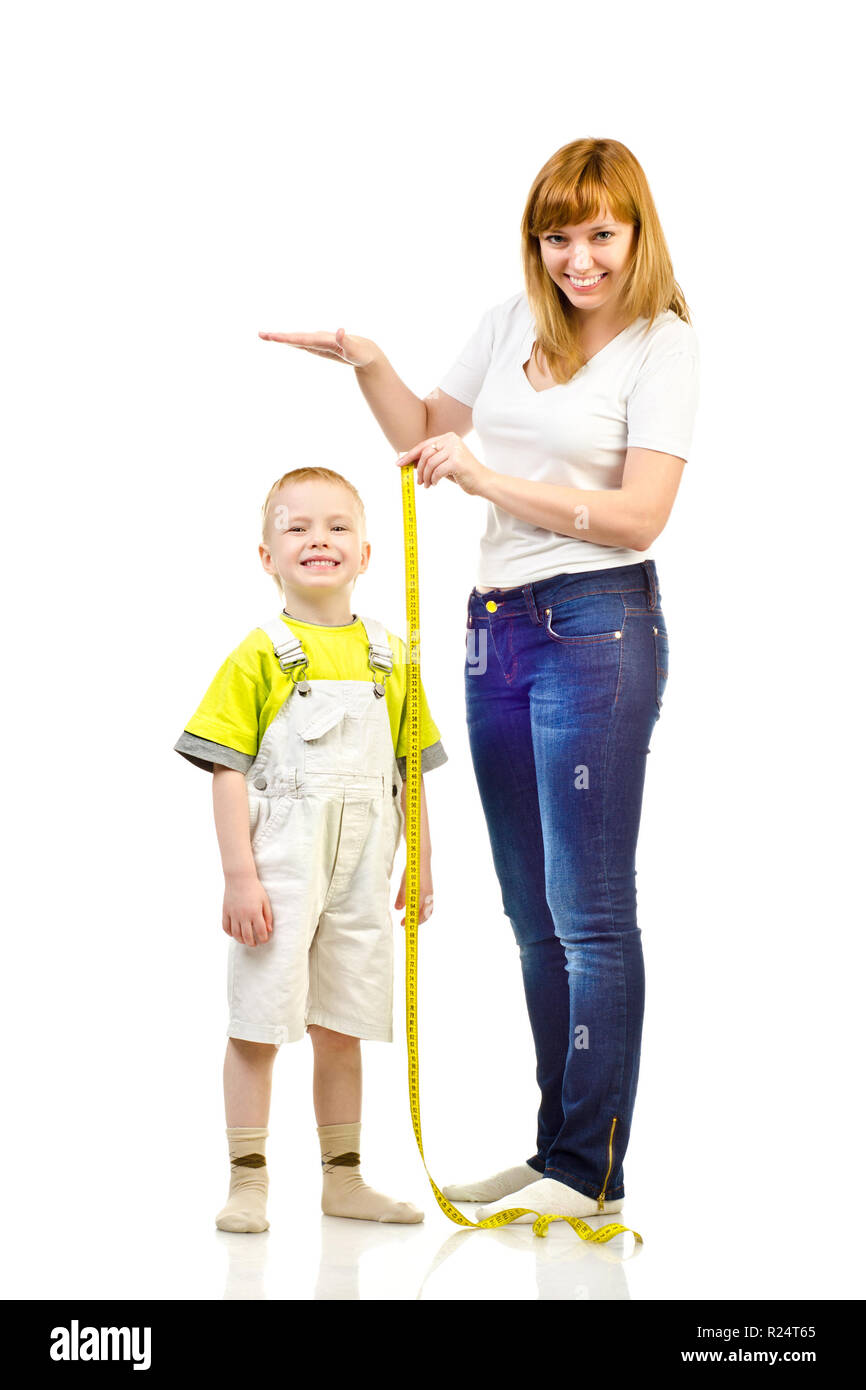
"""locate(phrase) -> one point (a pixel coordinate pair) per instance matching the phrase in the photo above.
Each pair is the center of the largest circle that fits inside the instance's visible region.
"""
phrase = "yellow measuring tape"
(413, 853)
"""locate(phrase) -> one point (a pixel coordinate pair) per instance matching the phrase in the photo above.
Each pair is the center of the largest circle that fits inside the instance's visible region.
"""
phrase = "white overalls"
(325, 824)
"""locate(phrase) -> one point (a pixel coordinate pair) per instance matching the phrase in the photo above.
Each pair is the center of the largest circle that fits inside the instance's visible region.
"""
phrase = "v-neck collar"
(529, 338)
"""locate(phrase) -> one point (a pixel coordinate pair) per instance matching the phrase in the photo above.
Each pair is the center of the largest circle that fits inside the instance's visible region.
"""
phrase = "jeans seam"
(623, 1003)
(613, 1194)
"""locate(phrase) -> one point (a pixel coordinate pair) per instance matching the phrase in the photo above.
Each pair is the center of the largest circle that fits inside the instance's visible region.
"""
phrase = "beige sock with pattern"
(248, 1187)
(344, 1192)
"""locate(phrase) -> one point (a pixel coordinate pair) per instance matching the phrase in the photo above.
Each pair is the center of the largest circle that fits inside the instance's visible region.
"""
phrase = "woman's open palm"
(345, 347)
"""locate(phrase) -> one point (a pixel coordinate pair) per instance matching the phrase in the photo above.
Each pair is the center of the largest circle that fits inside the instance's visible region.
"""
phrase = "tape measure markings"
(412, 893)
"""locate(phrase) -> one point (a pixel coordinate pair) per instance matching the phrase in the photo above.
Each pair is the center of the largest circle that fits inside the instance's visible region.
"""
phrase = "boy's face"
(315, 538)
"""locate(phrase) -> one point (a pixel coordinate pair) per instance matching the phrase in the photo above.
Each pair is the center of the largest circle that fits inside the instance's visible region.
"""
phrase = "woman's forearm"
(611, 517)
(401, 414)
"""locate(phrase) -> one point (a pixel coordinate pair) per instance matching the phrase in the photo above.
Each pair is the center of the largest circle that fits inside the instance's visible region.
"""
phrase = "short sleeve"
(663, 403)
(432, 752)
(225, 727)
(465, 377)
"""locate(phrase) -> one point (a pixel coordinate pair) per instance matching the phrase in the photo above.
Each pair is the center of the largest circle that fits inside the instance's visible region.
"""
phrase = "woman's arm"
(404, 417)
(631, 515)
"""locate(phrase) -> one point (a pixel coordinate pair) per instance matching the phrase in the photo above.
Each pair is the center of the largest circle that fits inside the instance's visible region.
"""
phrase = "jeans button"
(491, 606)
(261, 783)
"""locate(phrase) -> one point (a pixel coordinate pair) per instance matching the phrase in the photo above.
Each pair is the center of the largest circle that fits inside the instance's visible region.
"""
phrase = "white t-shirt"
(641, 389)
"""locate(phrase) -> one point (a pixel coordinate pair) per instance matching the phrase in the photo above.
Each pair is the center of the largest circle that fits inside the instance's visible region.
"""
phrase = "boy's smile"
(316, 544)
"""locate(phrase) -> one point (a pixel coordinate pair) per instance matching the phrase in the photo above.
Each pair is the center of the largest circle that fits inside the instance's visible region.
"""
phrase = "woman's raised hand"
(345, 347)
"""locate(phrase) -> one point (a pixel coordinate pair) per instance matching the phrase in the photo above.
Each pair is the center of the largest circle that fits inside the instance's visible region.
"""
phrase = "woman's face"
(587, 261)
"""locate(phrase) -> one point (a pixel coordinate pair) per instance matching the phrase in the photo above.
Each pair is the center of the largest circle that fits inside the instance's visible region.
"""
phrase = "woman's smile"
(584, 284)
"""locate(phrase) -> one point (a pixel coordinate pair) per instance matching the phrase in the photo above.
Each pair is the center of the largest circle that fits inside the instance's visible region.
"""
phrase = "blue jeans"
(564, 683)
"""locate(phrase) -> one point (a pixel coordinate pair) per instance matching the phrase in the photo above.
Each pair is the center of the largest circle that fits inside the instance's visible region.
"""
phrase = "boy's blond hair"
(301, 475)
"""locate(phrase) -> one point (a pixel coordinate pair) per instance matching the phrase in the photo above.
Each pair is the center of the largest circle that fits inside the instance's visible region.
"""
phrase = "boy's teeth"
(331, 563)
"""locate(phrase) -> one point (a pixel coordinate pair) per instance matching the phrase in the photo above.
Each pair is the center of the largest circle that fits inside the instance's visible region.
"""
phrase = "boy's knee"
(327, 1038)
(254, 1049)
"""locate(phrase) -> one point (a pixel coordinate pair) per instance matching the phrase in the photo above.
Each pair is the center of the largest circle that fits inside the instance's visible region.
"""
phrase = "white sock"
(491, 1189)
(549, 1198)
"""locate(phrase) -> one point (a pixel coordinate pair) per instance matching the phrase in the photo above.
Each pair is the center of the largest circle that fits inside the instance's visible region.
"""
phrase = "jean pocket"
(660, 638)
(593, 618)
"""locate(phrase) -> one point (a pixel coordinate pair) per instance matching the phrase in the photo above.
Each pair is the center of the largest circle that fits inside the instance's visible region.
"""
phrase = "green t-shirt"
(250, 688)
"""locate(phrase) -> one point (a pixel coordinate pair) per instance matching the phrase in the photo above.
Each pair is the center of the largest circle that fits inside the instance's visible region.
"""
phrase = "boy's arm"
(232, 818)
(247, 914)
(425, 848)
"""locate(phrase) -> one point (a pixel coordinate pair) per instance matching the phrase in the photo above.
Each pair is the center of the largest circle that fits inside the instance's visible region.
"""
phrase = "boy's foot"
(549, 1198)
(248, 1187)
(350, 1196)
(344, 1192)
(491, 1189)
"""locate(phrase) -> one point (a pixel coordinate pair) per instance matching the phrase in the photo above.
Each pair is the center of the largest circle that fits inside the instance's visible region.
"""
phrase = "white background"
(179, 176)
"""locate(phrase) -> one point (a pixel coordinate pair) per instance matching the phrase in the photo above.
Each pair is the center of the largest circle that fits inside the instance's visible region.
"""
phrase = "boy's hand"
(247, 912)
(425, 894)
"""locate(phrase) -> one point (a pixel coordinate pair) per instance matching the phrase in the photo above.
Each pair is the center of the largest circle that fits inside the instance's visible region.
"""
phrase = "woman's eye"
(557, 236)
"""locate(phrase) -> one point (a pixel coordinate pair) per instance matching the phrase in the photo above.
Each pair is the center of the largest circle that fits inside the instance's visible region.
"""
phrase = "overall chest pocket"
(327, 739)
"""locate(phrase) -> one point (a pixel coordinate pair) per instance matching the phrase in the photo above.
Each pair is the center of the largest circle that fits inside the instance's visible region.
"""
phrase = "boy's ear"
(365, 556)
(265, 557)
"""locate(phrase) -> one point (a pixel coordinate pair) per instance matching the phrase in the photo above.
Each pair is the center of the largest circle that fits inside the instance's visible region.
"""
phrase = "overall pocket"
(323, 740)
(267, 814)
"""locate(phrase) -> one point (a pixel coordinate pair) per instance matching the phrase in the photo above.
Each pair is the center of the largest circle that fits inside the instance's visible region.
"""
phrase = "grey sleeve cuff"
(431, 757)
(202, 753)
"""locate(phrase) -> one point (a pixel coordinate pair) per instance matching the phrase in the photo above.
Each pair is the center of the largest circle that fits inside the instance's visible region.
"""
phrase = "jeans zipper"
(609, 1166)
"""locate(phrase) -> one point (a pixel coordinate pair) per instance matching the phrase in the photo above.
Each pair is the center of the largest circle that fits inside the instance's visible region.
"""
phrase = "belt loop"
(529, 599)
(469, 610)
(651, 584)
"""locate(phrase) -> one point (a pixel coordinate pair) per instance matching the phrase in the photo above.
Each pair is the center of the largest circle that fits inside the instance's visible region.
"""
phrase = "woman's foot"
(491, 1189)
(549, 1198)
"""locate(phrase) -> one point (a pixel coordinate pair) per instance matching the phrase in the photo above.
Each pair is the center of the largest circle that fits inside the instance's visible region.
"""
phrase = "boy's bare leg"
(336, 1076)
(337, 1103)
(247, 1075)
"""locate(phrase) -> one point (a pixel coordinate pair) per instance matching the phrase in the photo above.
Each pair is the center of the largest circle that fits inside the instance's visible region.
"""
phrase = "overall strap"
(381, 658)
(288, 648)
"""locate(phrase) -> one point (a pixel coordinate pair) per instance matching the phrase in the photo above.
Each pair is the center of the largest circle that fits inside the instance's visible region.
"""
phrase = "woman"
(583, 390)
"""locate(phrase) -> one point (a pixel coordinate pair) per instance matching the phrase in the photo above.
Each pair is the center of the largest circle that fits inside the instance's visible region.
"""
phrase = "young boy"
(304, 730)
